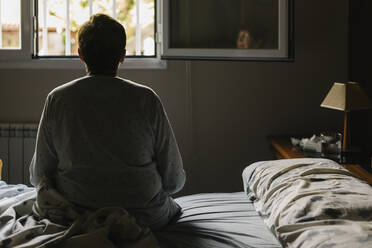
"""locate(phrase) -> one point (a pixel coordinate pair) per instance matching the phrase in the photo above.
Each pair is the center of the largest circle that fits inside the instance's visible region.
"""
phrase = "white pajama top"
(106, 142)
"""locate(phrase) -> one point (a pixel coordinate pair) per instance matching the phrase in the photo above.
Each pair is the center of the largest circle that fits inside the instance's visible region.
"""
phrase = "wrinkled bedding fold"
(47, 219)
(311, 202)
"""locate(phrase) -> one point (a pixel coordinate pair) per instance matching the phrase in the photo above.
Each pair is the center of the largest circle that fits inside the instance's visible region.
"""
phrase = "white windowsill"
(75, 63)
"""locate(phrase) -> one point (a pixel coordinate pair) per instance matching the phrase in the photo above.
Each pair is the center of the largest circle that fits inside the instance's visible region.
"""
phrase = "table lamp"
(346, 97)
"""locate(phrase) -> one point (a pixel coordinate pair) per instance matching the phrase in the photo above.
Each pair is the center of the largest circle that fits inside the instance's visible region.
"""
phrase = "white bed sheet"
(217, 220)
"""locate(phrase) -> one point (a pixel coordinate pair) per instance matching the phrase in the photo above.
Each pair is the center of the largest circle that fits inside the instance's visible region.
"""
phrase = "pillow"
(311, 202)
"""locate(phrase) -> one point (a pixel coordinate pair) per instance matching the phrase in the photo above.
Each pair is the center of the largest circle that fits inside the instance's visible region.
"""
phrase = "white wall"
(222, 111)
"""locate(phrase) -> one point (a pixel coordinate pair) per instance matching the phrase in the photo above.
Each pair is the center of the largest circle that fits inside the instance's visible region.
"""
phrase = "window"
(47, 32)
(10, 23)
(227, 29)
(42, 33)
(13, 42)
(59, 20)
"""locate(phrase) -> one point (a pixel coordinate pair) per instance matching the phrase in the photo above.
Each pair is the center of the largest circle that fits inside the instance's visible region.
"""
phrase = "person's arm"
(44, 161)
(167, 154)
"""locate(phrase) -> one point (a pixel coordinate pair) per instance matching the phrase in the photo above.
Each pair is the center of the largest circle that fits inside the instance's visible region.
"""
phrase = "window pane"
(10, 19)
(147, 27)
(249, 24)
(53, 24)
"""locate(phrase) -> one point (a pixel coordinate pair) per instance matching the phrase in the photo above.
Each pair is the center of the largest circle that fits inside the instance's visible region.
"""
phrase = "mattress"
(217, 220)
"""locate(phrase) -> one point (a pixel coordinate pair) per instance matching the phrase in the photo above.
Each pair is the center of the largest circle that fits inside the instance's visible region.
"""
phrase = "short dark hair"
(102, 42)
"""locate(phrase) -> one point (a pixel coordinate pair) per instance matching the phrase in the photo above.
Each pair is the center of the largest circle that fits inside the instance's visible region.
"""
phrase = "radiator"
(17, 145)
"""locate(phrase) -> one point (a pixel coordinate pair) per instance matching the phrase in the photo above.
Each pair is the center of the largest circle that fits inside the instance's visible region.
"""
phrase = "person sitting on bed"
(106, 141)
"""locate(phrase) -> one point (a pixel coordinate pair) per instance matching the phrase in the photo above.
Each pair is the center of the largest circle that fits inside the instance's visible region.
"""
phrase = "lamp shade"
(346, 97)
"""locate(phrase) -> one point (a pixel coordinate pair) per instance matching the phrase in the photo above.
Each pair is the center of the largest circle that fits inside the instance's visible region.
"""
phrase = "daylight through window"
(59, 21)
(10, 19)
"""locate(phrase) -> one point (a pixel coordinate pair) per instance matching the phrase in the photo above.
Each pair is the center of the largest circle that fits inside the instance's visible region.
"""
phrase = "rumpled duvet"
(44, 218)
(311, 203)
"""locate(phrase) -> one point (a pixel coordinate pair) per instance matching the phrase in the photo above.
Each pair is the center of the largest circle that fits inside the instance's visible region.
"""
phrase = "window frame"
(13, 54)
(23, 57)
(285, 40)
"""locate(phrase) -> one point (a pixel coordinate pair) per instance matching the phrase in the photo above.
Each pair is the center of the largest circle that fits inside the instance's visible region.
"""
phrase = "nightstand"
(284, 149)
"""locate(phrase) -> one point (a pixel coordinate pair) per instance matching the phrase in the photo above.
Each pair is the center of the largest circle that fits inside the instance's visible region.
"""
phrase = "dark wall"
(360, 17)
(360, 55)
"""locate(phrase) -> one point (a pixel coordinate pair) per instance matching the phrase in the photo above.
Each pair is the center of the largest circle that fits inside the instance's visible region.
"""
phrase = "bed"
(285, 203)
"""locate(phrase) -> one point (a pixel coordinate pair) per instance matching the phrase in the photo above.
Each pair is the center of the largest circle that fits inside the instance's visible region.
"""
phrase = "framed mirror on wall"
(228, 29)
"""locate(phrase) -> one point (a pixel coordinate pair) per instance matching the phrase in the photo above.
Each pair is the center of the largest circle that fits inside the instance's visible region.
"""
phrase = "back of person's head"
(102, 43)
